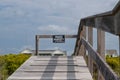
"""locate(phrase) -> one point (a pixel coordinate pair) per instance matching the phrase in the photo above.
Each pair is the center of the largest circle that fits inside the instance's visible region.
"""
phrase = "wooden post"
(101, 43)
(36, 44)
(119, 54)
(90, 40)
(101, 48)
(77, 51)
(82, 49)
(78, 45)
(84, 35)
(80, 52)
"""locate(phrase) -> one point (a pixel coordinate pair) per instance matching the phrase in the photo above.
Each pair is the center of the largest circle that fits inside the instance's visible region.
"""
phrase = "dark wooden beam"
(36, 44)
(51, 36)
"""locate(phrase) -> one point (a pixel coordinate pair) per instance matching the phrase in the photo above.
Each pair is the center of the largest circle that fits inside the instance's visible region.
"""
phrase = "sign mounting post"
(56, 39)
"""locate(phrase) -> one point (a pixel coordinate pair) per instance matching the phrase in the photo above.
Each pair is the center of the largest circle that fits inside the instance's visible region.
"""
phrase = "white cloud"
(52, 17)
(57, 29)
(11, 12)
(70, 8)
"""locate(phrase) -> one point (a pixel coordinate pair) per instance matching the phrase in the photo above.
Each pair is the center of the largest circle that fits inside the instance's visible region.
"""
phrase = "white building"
(111, 53)
(27, 51)
(57, 52)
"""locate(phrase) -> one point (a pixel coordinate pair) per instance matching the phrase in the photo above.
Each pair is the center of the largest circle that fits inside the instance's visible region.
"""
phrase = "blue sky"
(21, 20)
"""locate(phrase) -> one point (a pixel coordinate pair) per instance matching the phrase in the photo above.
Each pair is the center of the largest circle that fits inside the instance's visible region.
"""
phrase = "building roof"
(26, 51)
(111, 52)
(58, 51)
(44, 51)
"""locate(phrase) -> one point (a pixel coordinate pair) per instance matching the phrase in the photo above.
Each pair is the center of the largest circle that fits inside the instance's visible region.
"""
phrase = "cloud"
(69, 8)
(21, 18)
(11, 12)
(57, 29)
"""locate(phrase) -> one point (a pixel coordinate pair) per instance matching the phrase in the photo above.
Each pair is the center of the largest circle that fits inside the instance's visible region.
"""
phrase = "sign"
(58, 38)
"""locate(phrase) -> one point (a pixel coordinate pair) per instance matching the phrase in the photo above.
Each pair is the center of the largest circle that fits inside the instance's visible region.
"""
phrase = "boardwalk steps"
(52, 68)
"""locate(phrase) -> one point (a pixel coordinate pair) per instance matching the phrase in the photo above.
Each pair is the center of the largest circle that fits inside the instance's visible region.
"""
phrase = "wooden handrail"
(108, 22)
(106, 71)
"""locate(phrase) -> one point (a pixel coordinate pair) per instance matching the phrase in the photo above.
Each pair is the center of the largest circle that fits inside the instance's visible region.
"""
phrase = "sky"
(21, 20)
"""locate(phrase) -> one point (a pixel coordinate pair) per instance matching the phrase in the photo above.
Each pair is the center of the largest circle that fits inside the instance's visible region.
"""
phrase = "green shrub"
(113, 63)
(10, 62)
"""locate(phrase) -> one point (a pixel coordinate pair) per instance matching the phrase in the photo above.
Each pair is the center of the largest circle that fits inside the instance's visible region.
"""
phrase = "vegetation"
(9, 63)
(114, 63)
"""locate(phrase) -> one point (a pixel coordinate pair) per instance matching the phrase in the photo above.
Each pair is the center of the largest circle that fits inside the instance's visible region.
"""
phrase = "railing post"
(119, 55)
(101, 43)
(77, 50)
(82, 50)
(101, 48)
(36, 44)
(80, 47)
(90, 40)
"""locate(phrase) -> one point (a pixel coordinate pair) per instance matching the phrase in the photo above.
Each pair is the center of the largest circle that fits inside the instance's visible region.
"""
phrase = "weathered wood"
(80, 49)
(52, 68)
(101, 48)
(51, 36)
(119, 54)
(80, 29)
(90, 40)
(108, 21)
(117, 23)
(101, 43)
(78, 45)
(37, 37)
(106, 71)
(77, 49)
(83, 50)
(36, 44)
(79, 52)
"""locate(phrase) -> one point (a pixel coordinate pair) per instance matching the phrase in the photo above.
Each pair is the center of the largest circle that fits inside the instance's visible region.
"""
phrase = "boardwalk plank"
(52, 68)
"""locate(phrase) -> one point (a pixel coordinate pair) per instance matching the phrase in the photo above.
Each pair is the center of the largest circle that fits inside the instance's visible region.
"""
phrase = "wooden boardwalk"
(52, 68)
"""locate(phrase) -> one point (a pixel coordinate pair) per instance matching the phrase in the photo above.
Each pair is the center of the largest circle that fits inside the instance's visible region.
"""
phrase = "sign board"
(58, 38)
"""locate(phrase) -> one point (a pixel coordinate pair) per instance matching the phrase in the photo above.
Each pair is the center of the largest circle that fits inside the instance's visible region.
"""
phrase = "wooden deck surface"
(52, 68)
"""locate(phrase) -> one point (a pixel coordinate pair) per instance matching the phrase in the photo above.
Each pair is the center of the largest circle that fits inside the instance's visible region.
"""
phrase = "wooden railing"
(105, 22)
